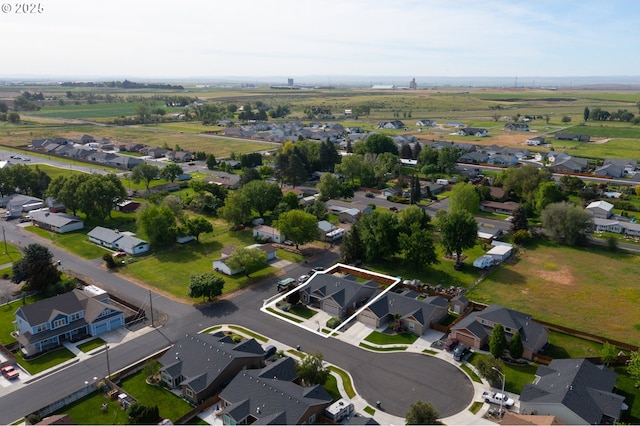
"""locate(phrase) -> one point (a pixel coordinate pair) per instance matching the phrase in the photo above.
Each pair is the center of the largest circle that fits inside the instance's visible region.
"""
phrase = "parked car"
(450, 344)
(317, 269)
(10, 372)
(269, 351)
(287, 242)
(303, 278)
(369, 194)
(460, 352)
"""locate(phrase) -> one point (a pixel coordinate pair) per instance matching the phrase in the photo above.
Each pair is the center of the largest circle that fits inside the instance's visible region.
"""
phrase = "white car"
(303, 278)
(497, 398)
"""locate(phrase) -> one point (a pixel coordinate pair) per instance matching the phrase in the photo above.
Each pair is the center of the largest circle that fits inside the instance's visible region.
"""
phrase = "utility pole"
(106, 348)
(151, 306)
(4, 237)
(503, 376)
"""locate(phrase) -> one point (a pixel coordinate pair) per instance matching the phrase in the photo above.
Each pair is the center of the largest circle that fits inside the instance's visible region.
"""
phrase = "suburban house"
(454, 124)
(220, 265)
(426, 123)
(473, 131)
(405, 311)
(519, 127)
(569, 164)
(395, 124)
(616, 167)
(267, 233)
(475, 157)
(391, 191)
(572, 137)
(508, 207)
(336, 296)
(197, 367)
(600, 209)
(179, 156)
(538, 140)
(116, 240)
(70, 316)
(617, 226)
(59, 223)
(475, 329)
(575, 391)
(503, 160)
(269, 396)
(228, 180)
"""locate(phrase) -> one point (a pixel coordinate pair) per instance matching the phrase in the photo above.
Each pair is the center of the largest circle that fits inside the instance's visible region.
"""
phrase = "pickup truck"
(497, 398)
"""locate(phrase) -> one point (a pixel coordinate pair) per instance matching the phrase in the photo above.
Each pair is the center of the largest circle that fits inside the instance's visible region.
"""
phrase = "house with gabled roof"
(569, 165)
(116, 240)
(571, 137)
(475, 329)
(197, 367)
(269, 396)
(410, 313)
(69, 316)
(600, 209)
(575, 391)
(475, 157)
(336, 296)
(503, 160)
(473, 131)
(59, 223)
(220, 265)
(518, 127)
(538, 140)
(426, 123)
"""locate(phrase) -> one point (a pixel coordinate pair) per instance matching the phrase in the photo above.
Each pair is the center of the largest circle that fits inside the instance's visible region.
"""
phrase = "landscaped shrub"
(333, 322)
(109, 261)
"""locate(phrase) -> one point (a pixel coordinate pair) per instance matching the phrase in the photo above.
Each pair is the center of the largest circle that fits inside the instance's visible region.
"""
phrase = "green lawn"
(91, 344)
(439, 274)
(631, 395)
(46, 361)
(383, 349)
(249, 333)
(7, 316)
(391, 339)
(169, 270)
(171, 407)
(346, 381)
(516, 376)
(302, 311)
(565, 346)
(76, 242)
(9, 253)
(88, 411)
(576, 279)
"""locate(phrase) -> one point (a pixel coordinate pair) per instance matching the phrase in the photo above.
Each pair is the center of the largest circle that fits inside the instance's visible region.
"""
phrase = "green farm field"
(584, 288)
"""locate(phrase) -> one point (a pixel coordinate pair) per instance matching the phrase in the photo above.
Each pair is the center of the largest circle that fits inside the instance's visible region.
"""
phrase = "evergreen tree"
(515, 346)
(498, 341)
(519, 220)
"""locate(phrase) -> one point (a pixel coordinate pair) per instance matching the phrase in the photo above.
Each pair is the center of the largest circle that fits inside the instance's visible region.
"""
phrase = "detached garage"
(500, 253)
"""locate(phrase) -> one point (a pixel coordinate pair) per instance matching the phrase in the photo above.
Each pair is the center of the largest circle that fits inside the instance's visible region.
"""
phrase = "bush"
(521, 236)
(109, 261)
(333, 322)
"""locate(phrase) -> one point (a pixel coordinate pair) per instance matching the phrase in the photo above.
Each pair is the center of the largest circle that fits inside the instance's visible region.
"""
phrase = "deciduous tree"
(99, 194)
(247, 260)
(418, 247)
(298, 226)
(206, 285)
(144, 172)
(379, 234)
(158, 223)
(171, 171)
(376, 143)
(458, 231)
(262, 195)
(199, 225)
(487, 366)
(236, 209)
(567, 223)
(211, 162)
(633, 368)
(464, 197)
(422, 413)
(311, 370)
(329, 187)
(608, 353)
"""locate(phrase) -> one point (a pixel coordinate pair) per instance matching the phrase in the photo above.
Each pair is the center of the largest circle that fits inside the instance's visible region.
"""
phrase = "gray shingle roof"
(579, 385)
(54, 219)
(272, 399)
(407, 306)
(200, 359)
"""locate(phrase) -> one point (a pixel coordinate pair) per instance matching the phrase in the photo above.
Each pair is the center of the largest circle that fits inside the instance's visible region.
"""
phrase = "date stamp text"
(22, 8)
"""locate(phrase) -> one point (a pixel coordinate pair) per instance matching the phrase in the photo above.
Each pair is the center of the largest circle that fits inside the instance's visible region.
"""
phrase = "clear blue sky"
(295, 38)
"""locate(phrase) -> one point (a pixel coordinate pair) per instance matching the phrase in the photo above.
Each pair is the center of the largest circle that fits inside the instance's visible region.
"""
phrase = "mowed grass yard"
(169, 270)
(585, 288)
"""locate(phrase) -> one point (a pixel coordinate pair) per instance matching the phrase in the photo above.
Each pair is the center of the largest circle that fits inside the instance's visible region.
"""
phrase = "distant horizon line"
(340, 79)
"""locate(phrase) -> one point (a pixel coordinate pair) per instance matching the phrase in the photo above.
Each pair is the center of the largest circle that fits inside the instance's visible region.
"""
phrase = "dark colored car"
(460, 352)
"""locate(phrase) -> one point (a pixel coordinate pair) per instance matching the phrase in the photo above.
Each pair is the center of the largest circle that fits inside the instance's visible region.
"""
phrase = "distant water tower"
(290, 82)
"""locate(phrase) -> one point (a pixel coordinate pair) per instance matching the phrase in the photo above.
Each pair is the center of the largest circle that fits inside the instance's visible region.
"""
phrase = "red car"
(10, 372)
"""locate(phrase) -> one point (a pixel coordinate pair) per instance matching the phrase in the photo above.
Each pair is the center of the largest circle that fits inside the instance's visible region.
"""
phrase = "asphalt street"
(395, 379)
